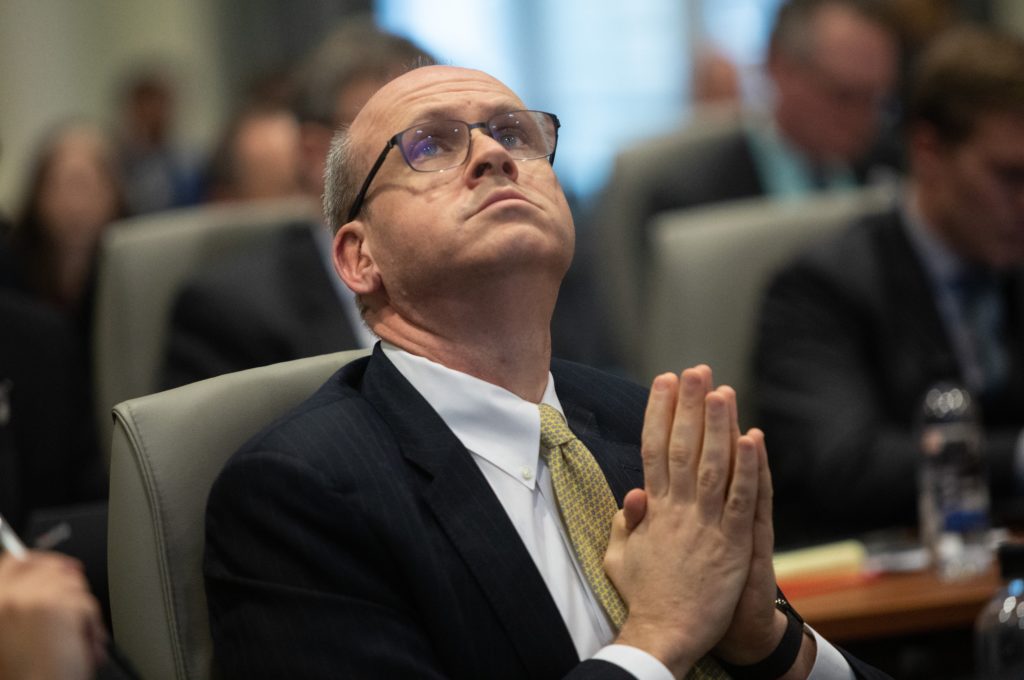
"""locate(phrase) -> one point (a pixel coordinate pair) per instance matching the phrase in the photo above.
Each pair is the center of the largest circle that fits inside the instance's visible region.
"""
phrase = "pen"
(13, 545)
(10, 541)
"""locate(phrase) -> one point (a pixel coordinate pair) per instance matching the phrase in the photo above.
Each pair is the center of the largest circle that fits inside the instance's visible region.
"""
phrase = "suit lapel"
(905, 276)
(1015, 331)
(474, 521)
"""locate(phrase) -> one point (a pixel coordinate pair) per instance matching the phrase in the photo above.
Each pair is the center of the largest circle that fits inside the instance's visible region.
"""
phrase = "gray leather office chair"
(143, 261)
(167, 449)
(622, 225)
(709, 268)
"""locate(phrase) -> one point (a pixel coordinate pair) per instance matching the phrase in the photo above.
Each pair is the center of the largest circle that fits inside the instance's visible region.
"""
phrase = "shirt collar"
(490, 421)
(785, 169)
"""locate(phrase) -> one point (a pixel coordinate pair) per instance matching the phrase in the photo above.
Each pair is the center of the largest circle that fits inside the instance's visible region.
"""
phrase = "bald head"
(427, 88)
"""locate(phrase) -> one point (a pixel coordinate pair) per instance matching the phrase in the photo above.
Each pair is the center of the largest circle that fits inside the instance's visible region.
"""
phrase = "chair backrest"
(143, 262)
(167, 450)
(709, 268)
(643, 178)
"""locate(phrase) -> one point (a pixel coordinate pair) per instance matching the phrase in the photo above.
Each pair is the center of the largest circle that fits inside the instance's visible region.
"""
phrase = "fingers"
(741, 504)
(689, 443)
(713, 473)
(684, 450)
(734, 432)
(634, 507)
(764, 532)
(615, 554)
(96, 633)
(654, 440)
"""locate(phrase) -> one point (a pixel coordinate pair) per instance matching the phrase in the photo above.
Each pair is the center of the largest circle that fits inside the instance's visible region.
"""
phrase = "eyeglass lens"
(444, 144)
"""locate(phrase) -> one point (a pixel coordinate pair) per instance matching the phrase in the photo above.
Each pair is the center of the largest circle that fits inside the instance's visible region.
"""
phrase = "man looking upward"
(430, 512)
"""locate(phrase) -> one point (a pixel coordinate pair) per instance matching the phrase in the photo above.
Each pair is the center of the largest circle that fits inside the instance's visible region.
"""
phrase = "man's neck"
(500, 336)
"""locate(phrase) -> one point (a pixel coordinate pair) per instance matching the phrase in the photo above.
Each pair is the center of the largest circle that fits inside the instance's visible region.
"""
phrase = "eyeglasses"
(444, 144)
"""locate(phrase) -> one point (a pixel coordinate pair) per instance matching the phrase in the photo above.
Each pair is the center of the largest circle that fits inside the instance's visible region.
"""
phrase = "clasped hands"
(691, 552)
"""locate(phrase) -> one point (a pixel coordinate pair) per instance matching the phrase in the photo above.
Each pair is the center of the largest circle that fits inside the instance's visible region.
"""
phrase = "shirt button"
(526, 472)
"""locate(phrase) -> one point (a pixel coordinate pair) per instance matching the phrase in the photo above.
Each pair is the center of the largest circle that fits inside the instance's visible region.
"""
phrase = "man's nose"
(489, 155)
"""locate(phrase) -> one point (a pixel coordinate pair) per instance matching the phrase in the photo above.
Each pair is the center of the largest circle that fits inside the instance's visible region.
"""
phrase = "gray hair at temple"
(341, 176)
(341, 181)
(793, 34)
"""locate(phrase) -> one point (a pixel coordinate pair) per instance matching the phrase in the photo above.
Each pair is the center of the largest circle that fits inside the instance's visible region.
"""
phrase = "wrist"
(782, 656)
(754, 647)
(677, 655)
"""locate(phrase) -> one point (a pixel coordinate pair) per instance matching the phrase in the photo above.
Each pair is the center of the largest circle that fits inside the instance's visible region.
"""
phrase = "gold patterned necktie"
(587, 507)
(586, 503)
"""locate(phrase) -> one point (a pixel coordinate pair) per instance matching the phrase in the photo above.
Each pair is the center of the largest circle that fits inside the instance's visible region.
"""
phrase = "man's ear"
(353, 260)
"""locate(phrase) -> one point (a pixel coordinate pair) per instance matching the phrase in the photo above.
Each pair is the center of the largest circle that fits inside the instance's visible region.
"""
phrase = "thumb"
(634, 508)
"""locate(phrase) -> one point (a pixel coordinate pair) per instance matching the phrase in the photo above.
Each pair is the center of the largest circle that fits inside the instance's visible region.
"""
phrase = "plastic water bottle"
(953, 487)
(999, 630)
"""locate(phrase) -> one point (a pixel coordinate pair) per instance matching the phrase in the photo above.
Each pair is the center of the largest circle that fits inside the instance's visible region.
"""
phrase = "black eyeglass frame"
(357, 204)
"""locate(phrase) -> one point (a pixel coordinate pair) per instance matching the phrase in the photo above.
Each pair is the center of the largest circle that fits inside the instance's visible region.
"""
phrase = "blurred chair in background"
(143, 262)
(167, 450)
(709, 268)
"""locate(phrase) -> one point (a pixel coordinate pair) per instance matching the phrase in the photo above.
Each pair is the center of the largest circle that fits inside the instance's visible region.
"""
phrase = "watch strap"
(782, 657)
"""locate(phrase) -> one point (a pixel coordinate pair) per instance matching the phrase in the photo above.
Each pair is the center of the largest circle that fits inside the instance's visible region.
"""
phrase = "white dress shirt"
(502, 432)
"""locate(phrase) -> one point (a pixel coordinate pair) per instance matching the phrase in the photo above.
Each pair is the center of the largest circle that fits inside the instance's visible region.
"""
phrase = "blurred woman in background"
(73, 194)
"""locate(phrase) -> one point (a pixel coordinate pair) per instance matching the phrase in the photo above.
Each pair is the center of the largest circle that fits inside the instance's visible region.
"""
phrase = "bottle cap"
(947, 402)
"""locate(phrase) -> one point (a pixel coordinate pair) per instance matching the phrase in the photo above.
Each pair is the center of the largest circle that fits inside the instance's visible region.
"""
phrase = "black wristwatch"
(782, 657)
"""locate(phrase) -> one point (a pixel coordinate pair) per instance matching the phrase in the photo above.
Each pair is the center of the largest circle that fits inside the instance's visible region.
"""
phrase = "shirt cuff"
(635, 661)
(829, 664)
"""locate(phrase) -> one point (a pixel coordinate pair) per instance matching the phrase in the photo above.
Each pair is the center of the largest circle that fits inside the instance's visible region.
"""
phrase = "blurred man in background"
(279, 300)
(258, 156)
(856, 330)
(831, 64)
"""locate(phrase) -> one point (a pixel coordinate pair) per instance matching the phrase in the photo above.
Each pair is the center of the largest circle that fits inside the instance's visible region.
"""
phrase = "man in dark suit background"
(404, 521)
(856, 330)
(279, 300)
(830, 65)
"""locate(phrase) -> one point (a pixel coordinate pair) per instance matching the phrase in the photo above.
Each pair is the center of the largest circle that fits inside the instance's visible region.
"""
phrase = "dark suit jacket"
(850, 340)
(272, 302)
(48, 451)
(357, 538)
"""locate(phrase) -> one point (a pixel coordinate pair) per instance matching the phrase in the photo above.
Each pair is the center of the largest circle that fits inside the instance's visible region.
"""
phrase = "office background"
(614, 71)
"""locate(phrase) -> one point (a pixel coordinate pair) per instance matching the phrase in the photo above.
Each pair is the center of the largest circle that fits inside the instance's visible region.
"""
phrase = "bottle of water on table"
(999, 629)
(953, 491)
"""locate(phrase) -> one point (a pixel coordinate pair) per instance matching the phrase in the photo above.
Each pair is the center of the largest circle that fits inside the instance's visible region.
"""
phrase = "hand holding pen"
(50, 624)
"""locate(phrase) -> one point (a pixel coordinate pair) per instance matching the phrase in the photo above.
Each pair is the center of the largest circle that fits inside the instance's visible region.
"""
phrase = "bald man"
(449, 506)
